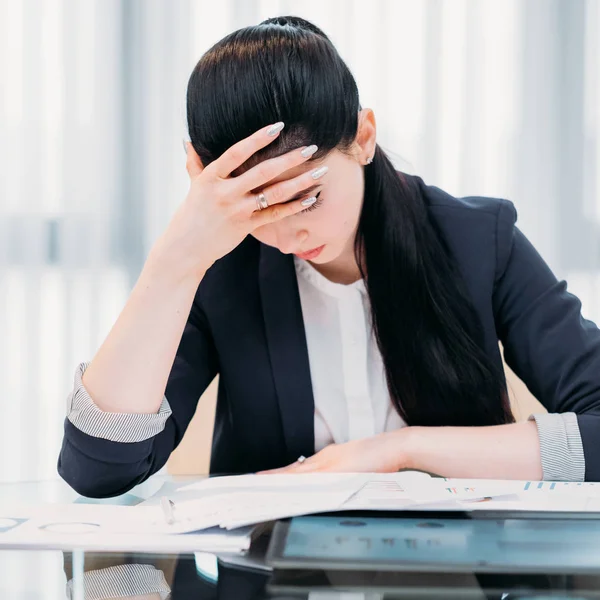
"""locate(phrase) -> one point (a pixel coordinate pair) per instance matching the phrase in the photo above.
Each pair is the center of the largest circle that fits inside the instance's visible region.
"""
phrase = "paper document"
(99, 527)
(241, 500)
(538, 496)
(202, 518)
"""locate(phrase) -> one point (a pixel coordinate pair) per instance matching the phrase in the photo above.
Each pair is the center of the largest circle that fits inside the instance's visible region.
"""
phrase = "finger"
(239, 153)
(193, 164)
(274, 471)
(293, 468)
(300, 187)
(305, 467)
(267, 170)
(279, 211)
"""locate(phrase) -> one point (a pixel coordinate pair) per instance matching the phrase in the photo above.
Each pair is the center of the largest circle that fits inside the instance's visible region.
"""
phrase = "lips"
(311, 254)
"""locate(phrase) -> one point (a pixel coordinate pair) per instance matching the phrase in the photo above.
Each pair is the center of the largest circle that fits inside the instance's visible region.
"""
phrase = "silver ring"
(301, 459)
(261, 201)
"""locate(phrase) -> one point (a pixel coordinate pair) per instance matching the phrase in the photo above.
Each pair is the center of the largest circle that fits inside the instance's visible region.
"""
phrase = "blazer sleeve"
(83, 412)
(98, 467)
(552, 348)
(122, 581)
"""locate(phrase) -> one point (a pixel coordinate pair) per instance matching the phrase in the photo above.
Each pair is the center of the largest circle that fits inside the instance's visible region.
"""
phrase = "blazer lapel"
(288, 351)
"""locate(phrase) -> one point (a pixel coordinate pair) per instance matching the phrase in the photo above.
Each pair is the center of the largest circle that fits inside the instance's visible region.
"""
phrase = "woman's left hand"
(383, 453)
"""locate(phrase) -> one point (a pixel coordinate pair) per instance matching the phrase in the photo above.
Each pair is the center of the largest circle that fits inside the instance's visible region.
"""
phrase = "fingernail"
(319, 172)
(309, 151)
(275, 129)
(309, 201)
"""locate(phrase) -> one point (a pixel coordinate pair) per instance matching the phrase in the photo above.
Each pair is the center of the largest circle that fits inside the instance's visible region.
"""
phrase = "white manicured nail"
(275, 129)
(309, 201)
(319, 172)
(309, 151)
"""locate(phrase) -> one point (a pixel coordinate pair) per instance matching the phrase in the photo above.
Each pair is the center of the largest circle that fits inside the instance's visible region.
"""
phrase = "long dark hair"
(287, 69)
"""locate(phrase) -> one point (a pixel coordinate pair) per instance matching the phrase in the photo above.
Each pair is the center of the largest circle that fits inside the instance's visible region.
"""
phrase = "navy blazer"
(246, 324)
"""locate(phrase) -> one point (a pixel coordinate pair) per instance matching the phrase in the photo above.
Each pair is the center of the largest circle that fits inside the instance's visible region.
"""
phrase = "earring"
(369, 160)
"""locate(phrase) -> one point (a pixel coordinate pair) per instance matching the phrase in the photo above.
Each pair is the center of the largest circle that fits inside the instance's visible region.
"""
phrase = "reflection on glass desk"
(26, 575)
(56, 490)
(78, 576)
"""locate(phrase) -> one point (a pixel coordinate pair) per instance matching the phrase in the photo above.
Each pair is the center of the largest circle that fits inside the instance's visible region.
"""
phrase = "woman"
(352, 312)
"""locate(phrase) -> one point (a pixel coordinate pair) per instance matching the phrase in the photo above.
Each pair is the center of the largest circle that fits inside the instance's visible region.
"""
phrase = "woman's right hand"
(220, 210)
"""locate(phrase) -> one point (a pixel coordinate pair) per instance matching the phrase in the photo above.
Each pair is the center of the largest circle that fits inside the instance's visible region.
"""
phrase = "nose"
(289, 241)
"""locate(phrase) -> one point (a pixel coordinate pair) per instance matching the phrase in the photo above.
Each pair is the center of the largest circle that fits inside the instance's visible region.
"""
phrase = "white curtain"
(494, 97)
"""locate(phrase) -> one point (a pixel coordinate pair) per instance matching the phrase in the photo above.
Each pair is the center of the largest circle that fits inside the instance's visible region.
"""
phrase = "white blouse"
(348, 378)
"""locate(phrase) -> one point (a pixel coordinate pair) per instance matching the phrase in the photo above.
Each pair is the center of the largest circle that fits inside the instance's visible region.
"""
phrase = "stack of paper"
(101, 527)
(232, 502)
(531, 496)
(203, 515)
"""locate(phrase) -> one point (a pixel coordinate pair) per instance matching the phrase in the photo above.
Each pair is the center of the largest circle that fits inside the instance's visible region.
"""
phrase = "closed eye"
(313, 206)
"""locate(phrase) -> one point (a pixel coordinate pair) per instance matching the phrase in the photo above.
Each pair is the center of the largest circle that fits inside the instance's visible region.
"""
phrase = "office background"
(487, 97)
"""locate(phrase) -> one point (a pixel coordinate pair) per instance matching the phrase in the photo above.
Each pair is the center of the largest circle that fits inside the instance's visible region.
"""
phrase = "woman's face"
(325, 230)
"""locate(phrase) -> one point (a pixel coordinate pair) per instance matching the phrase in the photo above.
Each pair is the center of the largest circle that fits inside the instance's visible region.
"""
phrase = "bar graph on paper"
(562, 486)
(468, 488)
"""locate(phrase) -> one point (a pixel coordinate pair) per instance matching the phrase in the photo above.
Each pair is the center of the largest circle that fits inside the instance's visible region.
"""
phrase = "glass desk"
(56, 575)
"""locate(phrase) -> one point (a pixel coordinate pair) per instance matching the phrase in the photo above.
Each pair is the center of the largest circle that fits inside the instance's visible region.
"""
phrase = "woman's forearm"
(129, 373)
(496, 452)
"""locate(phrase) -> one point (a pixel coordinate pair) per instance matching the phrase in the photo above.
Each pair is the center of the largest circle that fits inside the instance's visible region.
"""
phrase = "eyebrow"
(303, 193)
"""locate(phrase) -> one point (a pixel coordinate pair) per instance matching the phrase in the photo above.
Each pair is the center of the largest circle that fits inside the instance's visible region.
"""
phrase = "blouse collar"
(338, 290)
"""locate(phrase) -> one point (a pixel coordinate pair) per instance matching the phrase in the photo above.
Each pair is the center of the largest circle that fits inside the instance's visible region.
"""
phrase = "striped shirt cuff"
(122, 581)
(560, 446)
(115, 427)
